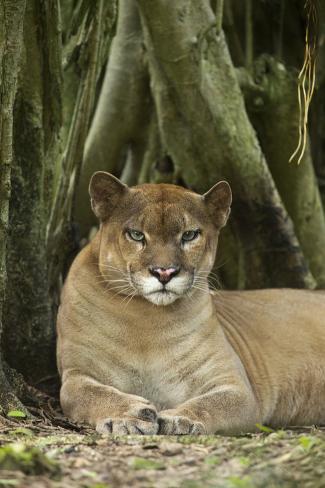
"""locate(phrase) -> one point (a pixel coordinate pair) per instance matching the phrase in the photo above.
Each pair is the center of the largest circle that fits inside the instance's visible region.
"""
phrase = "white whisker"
(132, 296)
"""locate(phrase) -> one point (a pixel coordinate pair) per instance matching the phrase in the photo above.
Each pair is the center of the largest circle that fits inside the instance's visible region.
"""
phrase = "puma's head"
(157, 241)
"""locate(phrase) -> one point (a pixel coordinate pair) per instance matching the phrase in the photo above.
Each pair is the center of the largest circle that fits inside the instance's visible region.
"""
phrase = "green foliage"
(264, 428)
(245, 461)
(22, 431)
(16, 414)
(29, 460)
(307, 442)
(212, 460)
(141, 463)
(98, 485)
(237, 482)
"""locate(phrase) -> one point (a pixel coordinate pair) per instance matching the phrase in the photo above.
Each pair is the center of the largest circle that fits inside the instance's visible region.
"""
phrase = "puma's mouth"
(161, 297)
(160, 293)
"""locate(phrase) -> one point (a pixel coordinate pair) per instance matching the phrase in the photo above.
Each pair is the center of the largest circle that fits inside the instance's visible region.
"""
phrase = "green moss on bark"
(11, 29)
(29, 337)
(273, 108)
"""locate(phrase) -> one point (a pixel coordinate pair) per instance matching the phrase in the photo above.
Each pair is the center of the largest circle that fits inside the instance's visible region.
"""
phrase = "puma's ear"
(105, 192)
(218, 200)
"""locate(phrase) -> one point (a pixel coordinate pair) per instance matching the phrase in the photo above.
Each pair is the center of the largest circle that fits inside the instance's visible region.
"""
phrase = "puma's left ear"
(218, 200)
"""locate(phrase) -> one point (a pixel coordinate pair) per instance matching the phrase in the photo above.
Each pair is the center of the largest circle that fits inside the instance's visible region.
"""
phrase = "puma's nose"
(164, 274)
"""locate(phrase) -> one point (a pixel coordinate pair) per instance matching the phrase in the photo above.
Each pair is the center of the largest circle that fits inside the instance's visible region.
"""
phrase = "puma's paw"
(179, 425)
(142, 421)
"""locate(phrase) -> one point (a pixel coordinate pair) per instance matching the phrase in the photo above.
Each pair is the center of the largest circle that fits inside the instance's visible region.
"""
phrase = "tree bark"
(61, 245)
(29, 332)
(11, 40)
(31, 142)
(154, 150)
(199, 104)
(272, 104)
(123, 109)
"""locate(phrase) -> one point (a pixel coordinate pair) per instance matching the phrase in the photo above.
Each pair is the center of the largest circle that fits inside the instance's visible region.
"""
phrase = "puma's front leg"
(227, 409)
(106, 408)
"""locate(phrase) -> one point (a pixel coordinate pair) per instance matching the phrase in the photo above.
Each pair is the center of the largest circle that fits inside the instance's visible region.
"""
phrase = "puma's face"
(157, 241)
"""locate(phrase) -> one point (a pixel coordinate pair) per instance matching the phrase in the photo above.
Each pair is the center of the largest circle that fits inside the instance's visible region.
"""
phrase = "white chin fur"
(161, 298)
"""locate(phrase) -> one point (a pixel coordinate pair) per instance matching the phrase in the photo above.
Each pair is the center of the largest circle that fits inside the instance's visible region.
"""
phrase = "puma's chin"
(161, 297)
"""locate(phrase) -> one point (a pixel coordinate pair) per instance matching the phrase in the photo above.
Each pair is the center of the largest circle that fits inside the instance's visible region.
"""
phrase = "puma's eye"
(135, 235)
(190, 235)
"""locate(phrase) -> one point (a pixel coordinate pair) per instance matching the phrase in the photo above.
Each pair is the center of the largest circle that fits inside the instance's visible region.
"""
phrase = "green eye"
(136, 235)
(190, 235)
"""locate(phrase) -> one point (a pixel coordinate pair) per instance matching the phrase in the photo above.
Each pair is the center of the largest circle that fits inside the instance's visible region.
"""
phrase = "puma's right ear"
(105, 192)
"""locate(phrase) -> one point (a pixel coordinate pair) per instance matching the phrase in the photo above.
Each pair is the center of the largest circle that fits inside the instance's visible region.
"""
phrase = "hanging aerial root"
(306, 77)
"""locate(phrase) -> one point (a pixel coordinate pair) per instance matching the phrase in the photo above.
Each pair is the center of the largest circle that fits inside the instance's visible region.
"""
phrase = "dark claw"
(109, 426)
(161, 423)
(148, 414)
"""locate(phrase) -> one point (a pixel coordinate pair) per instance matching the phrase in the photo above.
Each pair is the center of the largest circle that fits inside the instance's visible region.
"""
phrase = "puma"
(145, 347)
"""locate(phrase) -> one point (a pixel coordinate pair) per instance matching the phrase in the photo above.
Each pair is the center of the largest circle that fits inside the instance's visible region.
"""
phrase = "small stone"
(170, 448)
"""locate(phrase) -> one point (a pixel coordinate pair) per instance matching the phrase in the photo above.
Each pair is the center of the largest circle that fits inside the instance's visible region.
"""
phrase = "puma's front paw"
(138, 420)
(170, 424)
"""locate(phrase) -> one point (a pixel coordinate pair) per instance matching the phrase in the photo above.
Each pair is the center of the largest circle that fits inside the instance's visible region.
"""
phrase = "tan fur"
(205, 361)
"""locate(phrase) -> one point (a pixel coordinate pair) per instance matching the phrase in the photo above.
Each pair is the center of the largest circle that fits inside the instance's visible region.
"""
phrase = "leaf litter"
(50, 452)
(33, 454)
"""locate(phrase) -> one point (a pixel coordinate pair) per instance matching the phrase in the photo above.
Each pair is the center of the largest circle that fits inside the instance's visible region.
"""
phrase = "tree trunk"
(61, 245)
(29, 333)
(199, 105)
(123, 110)
(272, 104)
(11, 40)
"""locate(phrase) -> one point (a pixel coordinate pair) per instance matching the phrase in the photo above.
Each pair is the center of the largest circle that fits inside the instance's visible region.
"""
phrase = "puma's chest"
(166, 375)
(166, 364)
(159, 382)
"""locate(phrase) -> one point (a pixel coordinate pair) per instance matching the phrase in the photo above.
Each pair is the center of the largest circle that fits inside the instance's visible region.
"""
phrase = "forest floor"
(43, 454)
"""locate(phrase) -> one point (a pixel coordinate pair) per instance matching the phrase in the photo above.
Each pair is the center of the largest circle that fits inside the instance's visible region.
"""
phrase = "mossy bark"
(272, 104)
(123, 110)
(200, 105)
(29, 332)
(11, 40)
(317, 109)
(62, 241)
(31, 128)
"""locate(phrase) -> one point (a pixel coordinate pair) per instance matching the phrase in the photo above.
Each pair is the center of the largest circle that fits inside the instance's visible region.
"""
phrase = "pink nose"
(164, 274)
